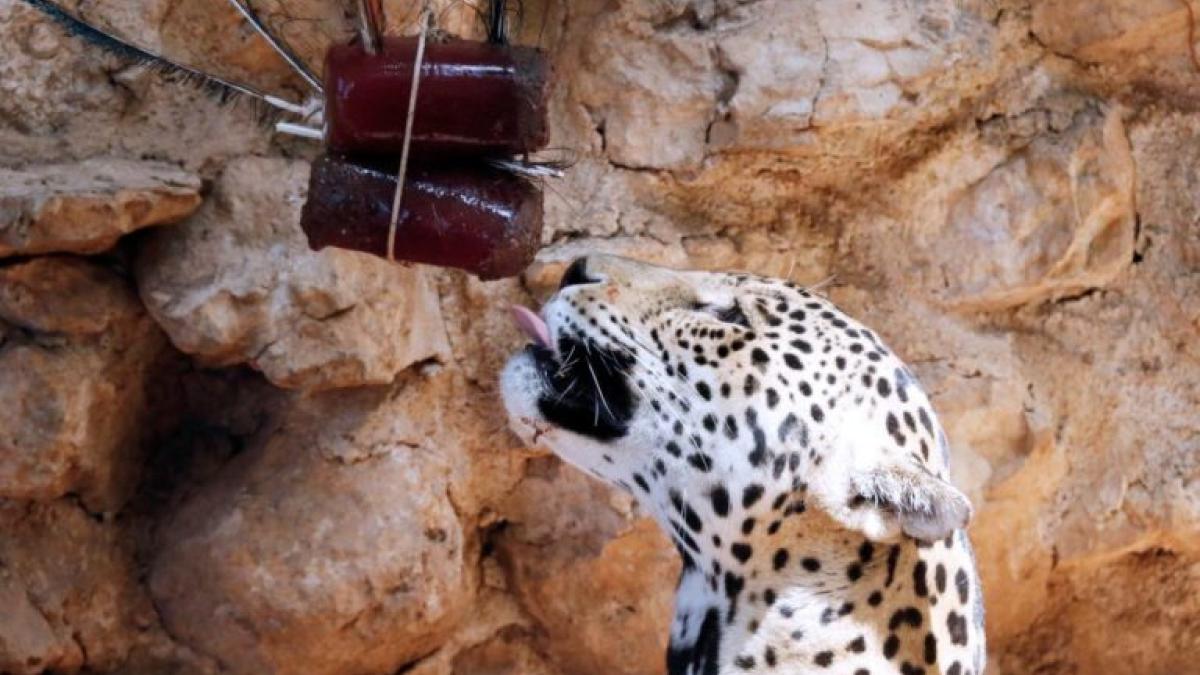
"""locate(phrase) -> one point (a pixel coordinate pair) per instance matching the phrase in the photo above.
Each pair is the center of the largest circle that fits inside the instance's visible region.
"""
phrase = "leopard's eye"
(731, 313)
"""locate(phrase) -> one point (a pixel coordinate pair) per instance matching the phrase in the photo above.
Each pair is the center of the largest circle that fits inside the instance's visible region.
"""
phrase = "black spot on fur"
(891, 646)
(641, 482)
(730, 427)
(920, 587)
(742, 551)
(893, 558)
(720, 500)
(930, 649)
(750, 386)
(701, 461)
(865, 552)
(925, 421)
(788, 426)
(910, 616)
(957, 625)
(759, 358)
(751, 495)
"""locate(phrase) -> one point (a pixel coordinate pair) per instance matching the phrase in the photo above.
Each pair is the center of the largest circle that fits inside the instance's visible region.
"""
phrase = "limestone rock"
(1058, 218)
(237, 283)
(62, 99)
(70, 599)
(1006, 191)
(329, 547)
(79, 356)
(589, 571)
(1074, 434)
(1128, 45)
(86, 207)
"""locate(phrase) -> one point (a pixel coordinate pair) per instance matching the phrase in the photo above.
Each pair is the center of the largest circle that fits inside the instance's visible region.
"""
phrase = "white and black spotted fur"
(792, 458)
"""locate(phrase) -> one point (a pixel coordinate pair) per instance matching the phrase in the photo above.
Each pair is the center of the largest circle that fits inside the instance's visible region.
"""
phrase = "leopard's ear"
(911, 499)
(889, 499)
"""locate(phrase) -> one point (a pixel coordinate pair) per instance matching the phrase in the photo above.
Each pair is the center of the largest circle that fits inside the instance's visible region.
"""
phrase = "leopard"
(791, 457)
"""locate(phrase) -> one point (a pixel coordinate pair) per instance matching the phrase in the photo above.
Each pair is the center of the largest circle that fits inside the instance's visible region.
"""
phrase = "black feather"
(221, 89)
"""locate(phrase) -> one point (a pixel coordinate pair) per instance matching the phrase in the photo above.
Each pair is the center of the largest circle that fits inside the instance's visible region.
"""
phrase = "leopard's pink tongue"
(531, 325)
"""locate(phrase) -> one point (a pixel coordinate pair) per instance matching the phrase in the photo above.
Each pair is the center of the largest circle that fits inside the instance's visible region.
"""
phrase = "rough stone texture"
(78, 355)
(1008, 191)
(566, 528)
(69, 599)
(237, 283)
(87, 207)
(331, 547)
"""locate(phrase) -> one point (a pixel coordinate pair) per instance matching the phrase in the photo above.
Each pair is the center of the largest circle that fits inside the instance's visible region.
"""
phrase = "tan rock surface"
(1125, 47)
(589, 571)
(78, 355)
(237, 283)
(329, 547)
(86, 207)
(69, 599)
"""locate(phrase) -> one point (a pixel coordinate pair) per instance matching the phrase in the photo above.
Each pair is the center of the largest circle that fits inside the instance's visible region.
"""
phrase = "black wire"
(497, 22)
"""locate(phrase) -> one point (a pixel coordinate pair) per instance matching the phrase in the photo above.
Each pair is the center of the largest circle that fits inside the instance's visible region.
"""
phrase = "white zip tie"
(293, 129)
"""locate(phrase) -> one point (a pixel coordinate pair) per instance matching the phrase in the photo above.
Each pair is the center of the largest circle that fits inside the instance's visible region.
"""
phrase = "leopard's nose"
(576, 275)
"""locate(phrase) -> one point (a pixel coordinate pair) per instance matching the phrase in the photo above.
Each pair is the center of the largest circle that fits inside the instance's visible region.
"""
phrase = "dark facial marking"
(573, 396)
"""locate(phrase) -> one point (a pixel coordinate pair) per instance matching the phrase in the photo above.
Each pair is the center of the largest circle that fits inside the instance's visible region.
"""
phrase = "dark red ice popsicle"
(476, 218)
(473, 98)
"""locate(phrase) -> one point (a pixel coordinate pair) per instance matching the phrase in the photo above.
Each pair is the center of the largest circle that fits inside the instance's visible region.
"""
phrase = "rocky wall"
(223, 453)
